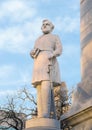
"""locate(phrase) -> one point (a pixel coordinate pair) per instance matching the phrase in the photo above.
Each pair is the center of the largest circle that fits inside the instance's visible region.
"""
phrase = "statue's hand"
(35, 52)
(50, 56)
(32, 53)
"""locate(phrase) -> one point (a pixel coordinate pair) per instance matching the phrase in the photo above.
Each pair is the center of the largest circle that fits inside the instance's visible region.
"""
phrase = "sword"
(52, 109)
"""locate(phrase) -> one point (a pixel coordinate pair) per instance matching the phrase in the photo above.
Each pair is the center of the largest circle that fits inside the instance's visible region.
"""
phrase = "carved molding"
(77, 119)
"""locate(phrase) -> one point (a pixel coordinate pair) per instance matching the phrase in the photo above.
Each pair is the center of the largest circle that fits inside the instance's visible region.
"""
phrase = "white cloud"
(26, 77)
(70, 64)
(4, 93)
(75, 5)
(70, 60)
(19, 39)
(20, 35)
(67, 24)
(6, 71)
(11, 75)
(19, 29)
(70, 50)
(8, 74)
(16, 10)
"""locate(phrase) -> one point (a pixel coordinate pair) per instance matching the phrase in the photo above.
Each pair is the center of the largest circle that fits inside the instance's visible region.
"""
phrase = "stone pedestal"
(80, 119)
(42, 124)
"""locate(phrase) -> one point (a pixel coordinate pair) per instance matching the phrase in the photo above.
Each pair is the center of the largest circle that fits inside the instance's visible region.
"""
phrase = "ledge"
(79, 116)
(42, 124)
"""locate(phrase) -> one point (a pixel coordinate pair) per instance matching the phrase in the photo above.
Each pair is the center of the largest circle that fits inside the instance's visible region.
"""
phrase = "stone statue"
(46, 74)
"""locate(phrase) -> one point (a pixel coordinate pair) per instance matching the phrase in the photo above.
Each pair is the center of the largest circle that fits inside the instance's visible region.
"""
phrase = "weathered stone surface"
(79, 117)
(46, 75)
(38, 128)
(79, 120)
(85, 6)
(84, 89)
(82, 94)
(42, 124)
(86, 39)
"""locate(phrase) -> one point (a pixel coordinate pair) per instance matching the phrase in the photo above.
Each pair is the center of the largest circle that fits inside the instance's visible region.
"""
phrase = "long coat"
(45, 69)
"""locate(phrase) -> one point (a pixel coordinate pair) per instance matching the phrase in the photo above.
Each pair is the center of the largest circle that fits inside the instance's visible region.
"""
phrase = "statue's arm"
(58, 47)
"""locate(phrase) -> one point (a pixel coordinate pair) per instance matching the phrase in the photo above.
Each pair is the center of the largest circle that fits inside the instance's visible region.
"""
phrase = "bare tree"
(29, 103)
(12, 113)
(10, 117)
(17, 109)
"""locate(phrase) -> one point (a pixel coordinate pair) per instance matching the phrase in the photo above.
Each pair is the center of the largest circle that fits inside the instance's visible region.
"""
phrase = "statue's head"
(47, 26)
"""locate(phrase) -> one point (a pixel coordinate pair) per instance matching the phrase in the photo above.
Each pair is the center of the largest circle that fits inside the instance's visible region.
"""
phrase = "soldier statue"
(46, 74)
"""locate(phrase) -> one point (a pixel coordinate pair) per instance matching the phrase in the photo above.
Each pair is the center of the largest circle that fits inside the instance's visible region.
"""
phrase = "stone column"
(86, 39)
(83, 92)
(79, 116)
(85, 87)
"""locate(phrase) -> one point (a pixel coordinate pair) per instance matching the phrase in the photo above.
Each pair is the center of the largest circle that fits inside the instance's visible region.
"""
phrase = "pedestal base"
(42, 124)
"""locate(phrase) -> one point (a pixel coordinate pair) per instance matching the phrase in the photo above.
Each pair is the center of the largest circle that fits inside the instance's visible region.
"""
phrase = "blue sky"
(20, 23)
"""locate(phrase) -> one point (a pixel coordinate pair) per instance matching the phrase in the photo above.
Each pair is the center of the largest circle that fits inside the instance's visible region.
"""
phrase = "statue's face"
(46, 27)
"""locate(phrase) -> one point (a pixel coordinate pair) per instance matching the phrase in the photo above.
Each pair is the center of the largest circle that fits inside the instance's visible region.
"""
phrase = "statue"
(46, 74)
